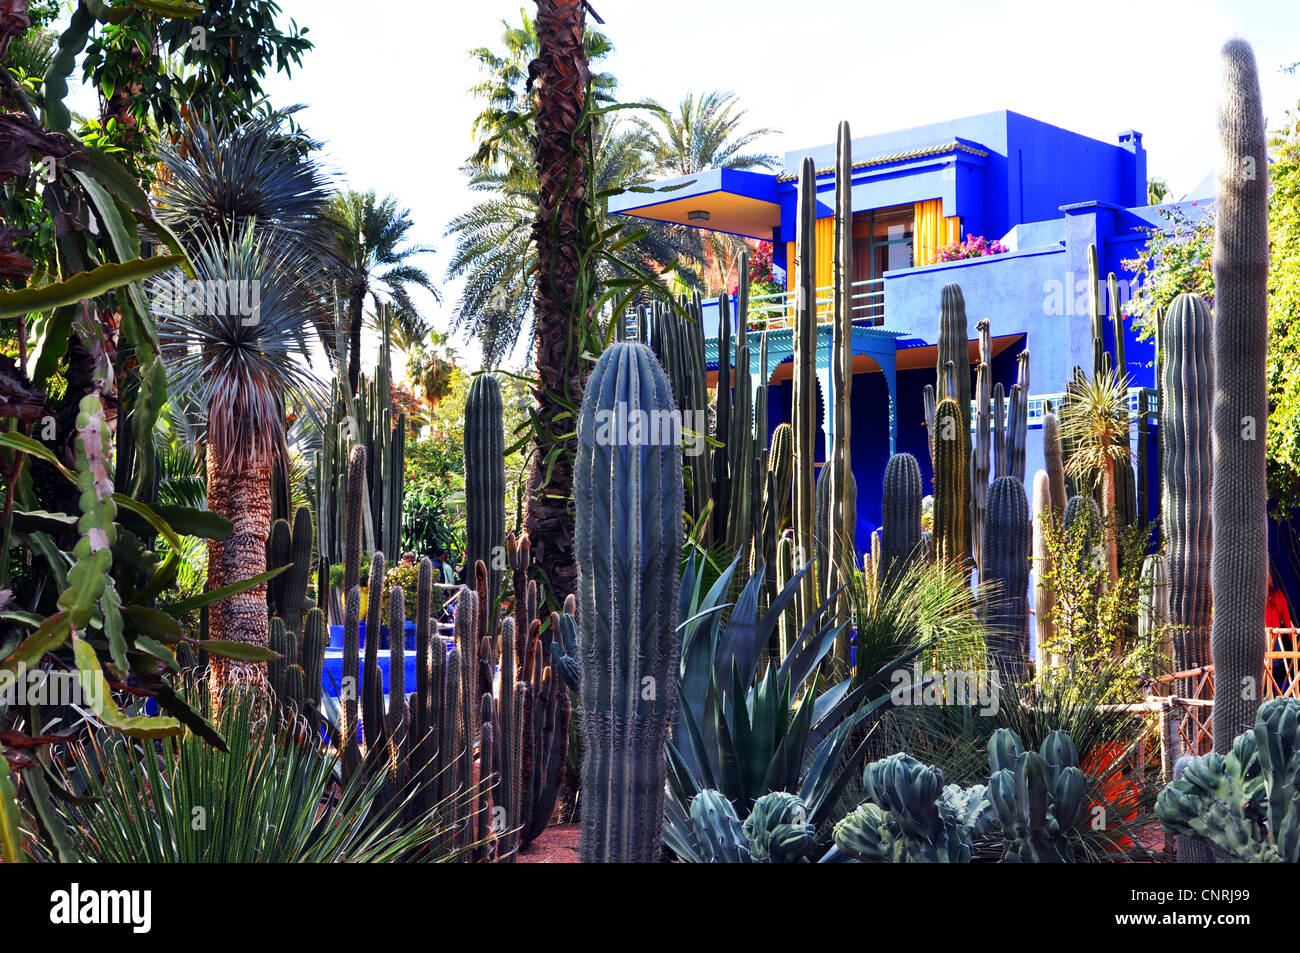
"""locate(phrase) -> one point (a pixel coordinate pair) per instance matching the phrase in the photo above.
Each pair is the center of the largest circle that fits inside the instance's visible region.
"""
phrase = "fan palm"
(375, 260)
(240, 373)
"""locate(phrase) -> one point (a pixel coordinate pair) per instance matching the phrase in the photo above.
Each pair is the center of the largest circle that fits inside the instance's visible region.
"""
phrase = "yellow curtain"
(932, 231)
(824, 235)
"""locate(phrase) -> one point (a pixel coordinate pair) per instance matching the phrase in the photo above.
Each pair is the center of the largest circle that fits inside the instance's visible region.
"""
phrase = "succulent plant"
(1243, 805)
(1005, 607)
(485, 499)
(900, 535)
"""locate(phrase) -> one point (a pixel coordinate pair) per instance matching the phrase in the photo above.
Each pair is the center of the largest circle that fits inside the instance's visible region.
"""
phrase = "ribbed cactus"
(372, 687)
(485, 497)
(954, 346)
(348, 691)
(1239, 565)
(466, 687)
(1185, 425)
(395, 729)
(804, 400)
(840, 519)
(951, 487)
(1005, 608)
(422, 707)
(900, 535)
(721, 460)
(1044, 592)
(312, 656)
(280, 641)
(981, 453)
(785, 570)
(1054, 461)
(287, 592)
(629, 544)
(356, 502)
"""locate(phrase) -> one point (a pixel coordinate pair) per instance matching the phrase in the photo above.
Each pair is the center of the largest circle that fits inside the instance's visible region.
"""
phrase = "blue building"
(1044, 192)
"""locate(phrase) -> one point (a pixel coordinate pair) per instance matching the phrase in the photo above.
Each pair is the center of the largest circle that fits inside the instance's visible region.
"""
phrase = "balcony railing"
(776, 311)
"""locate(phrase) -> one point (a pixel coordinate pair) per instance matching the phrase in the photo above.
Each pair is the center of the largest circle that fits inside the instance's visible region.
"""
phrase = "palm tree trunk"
(241, 492)
(560, 71)
(356, 308)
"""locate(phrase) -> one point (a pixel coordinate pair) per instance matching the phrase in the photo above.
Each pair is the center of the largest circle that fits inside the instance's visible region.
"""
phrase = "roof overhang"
(738, 202)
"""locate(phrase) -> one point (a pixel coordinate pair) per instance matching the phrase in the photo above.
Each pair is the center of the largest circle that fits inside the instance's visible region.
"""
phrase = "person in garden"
(1278, 616)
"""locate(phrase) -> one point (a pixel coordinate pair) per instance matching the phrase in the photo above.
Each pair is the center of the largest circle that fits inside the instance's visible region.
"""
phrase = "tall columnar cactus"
(1044, 592)
(1054, 461)
(348, 693)
(354, 524)
(1005, 608)
(312, 655)
(722, 422)
(395, 731)
(372, 687)
(954, 346)
(1101, 362)
(785, 570)
(1239, 564)
(804, 400)
(981, 453)
(629, 543)
(901, 515)
(841, 488)
(951, 487)
(740, 447)
(422, 708)
(1185, 423)
(485, 480)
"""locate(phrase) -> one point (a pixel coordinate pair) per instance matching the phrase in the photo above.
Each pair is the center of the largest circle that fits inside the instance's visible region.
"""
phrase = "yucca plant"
(273, 797)
(1095, 423)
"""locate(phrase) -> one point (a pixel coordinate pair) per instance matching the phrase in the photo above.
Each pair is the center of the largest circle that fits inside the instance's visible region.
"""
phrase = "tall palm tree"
(375, 261)
(495, 253)
(564, 204)
(704, 133)
(240, 353)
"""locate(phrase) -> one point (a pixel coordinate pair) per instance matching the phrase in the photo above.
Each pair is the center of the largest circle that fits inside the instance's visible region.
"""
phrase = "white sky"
(386, 85)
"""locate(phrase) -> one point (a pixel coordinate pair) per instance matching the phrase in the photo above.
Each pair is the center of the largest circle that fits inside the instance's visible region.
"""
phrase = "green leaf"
(202, 524)
(100, 701)
(216, 595)
(51, 822)
(239, 651)
(52, 633)
(153, 623)
(170, 8)
(24, 444)
(173, 704)
(84, 285)
(11, 838)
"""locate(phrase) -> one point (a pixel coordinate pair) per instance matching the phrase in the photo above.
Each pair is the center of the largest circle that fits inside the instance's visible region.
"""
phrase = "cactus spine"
(804, 398)
(1185, 422)
(1239, 564)
(629, 539)
(1006, 558)
(485, 477)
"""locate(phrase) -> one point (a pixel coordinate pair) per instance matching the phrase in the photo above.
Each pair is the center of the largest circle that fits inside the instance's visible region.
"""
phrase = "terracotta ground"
(556, 845)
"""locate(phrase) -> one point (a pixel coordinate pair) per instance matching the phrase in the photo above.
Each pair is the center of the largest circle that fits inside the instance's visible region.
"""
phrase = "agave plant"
(746, 731)
(272, 797)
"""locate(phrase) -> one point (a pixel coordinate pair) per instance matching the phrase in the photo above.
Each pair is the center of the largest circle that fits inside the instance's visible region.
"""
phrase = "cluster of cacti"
(1239, 561)
(286, 594)
(629, 544)
(1243, 805)
(297, 627)
(911, 817)
(1031, 808)
(1004, 605)
(777, 830)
